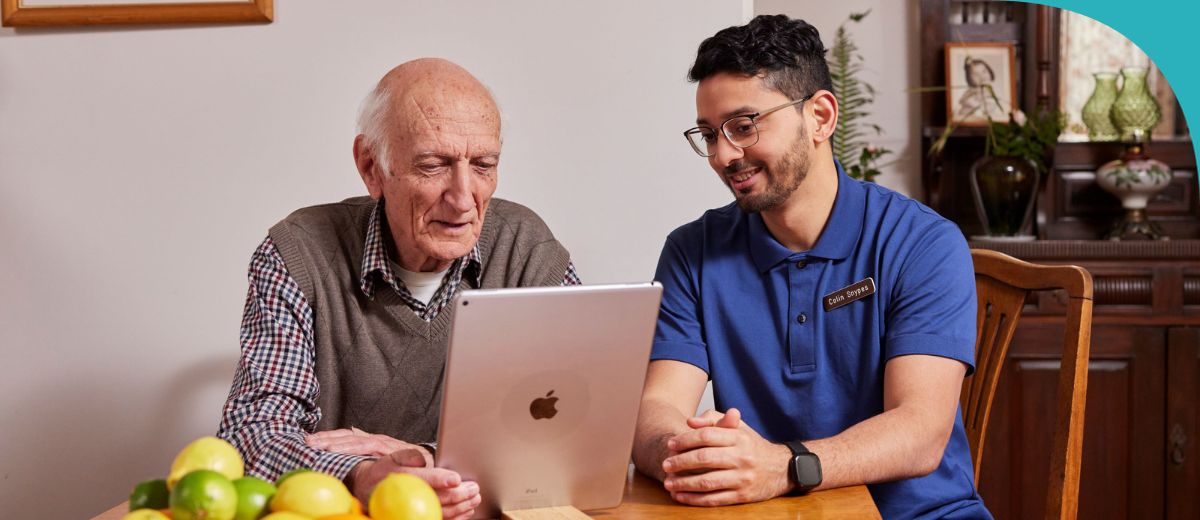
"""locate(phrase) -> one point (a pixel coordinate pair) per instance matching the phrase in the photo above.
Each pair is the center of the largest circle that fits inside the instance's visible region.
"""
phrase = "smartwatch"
(805, 468)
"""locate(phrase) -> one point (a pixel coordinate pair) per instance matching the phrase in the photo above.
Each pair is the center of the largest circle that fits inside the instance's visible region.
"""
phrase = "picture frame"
(981, 82)
(50, 13)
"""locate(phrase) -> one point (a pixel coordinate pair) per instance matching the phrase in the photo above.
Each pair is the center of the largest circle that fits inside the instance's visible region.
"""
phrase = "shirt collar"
(837, 240)
(375, 258)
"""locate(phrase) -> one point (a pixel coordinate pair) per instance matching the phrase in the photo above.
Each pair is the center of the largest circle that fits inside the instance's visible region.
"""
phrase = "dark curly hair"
(789, 54)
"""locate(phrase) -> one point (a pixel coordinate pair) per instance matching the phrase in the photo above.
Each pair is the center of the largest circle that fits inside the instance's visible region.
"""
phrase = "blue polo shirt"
(785, 338)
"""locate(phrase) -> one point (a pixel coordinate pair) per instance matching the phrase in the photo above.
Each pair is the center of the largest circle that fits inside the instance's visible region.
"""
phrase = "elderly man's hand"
(722, 461)
(459, 499)
(353, 441)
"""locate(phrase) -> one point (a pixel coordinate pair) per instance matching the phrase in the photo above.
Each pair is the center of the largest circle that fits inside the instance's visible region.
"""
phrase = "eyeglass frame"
(752, 117)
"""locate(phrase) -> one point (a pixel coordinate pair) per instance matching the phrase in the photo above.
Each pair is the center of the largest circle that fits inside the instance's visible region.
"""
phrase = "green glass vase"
(1005, 189)
(1097, 112)
(1135, 111)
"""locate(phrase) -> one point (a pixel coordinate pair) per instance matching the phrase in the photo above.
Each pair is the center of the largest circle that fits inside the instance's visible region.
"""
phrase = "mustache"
(739, 165)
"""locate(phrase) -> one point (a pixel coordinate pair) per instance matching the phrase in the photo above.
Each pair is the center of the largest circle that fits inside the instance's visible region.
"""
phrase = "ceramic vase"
(1097, 112)
(1005, 189)
(1135, 110)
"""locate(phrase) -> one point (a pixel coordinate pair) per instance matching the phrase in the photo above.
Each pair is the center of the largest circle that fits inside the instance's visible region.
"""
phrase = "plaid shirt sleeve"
(571, 277)
(273, 402)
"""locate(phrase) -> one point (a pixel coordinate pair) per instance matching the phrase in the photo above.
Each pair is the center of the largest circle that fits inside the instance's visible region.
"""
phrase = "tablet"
(541, 393)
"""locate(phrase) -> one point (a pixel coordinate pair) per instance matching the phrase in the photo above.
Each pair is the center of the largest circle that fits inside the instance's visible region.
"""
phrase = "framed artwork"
(981, 82)
(31, 13)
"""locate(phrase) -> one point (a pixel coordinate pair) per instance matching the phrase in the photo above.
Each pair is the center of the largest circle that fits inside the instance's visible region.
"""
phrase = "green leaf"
(855, 98)
(1034, 140)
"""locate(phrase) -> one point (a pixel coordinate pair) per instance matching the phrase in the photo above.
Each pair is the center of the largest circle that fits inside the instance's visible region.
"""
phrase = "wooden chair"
(1002, 283)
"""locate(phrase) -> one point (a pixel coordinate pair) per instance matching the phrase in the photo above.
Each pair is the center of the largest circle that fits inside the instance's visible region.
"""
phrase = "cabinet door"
(1183, 419)
(1122, 467)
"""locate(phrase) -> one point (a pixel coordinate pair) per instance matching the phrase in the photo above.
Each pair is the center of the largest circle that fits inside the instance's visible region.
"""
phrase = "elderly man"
(347, 319)
(835, 318)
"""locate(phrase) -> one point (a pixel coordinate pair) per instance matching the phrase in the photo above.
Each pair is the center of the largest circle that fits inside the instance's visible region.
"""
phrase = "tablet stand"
(545, 513)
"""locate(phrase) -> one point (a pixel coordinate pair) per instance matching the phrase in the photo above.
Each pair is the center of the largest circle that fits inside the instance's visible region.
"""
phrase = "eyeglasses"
(740, 130)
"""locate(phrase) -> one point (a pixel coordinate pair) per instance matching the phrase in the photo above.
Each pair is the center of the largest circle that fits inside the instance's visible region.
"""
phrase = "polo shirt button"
(801, 318)
(801, 264)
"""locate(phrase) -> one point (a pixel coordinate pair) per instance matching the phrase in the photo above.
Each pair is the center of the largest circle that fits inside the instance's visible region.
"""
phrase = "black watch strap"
(804, 470)
(797, 447)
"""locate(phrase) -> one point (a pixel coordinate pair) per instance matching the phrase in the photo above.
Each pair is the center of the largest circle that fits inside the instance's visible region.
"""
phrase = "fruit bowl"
(207, 481)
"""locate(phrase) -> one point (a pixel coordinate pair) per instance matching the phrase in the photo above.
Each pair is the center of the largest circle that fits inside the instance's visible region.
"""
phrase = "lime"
(145, 514)
(254, 494)
(313, 494)
(151, 494)
(401, 496)
(203, 495)
(206, 453)
(290, 474)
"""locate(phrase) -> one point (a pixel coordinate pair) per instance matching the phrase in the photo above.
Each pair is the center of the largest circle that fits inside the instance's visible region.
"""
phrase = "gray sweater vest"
(379, 365)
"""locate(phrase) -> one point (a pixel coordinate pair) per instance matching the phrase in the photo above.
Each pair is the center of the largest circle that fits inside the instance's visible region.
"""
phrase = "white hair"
(373, 115)
(372, 124)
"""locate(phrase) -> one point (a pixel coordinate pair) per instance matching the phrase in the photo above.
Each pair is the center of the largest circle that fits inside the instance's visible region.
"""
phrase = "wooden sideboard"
(1141, 451)
(1141, 454)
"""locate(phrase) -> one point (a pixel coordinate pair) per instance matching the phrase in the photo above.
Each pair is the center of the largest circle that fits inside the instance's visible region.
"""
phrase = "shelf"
(933, 132)
(1104, 250)
(1176, 152)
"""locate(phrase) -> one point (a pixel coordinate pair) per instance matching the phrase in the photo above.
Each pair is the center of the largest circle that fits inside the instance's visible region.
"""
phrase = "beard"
(782, 178)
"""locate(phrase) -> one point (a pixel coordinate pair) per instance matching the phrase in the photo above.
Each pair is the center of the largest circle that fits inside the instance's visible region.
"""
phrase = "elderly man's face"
(443, 152)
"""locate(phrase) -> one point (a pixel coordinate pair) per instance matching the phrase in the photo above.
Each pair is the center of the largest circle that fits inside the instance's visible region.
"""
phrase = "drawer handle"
(1178, 442)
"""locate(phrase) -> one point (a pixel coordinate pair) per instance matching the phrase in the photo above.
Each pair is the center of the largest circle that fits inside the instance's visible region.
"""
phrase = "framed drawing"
(27, 13)
(981, 82)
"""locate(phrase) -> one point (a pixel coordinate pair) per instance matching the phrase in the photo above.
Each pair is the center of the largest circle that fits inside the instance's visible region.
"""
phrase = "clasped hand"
(723, 461)
(459, 499)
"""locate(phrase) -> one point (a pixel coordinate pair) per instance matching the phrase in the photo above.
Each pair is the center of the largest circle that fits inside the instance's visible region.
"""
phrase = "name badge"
(849, 294)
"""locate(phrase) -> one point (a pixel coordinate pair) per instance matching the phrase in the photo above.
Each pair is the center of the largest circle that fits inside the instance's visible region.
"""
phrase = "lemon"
(284, 515)
(151, 494)
(401, 496)
(312, 494)
(253, 496)
(208, 453)
(204, 495)
(145, 514)
(290, 474)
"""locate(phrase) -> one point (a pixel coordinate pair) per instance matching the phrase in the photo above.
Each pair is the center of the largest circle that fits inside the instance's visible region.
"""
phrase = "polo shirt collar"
(842, 230)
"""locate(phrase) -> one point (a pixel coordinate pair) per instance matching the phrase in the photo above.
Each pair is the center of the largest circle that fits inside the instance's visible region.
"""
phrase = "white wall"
(887, 40)
(139, 167)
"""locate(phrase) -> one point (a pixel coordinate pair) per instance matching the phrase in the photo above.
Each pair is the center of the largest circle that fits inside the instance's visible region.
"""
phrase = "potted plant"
(1004, 182)
(860, 160)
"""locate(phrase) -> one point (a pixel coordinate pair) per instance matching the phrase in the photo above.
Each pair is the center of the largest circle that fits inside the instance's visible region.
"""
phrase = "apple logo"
(543, 407)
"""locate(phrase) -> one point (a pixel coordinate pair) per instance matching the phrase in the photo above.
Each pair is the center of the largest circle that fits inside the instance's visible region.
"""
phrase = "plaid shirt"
(272, 405)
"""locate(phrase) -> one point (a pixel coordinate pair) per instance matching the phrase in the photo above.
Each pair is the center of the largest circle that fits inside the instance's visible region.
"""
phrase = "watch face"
(806, 469)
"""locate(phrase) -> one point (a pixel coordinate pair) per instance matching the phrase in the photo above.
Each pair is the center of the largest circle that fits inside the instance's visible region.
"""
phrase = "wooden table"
(645, 498)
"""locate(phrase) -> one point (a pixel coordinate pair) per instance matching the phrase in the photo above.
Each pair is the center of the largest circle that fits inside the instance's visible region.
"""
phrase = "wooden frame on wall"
(981, 82)
(44, 13)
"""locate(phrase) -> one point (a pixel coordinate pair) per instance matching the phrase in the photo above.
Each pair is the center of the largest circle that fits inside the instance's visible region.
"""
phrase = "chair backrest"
(1002, 284)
